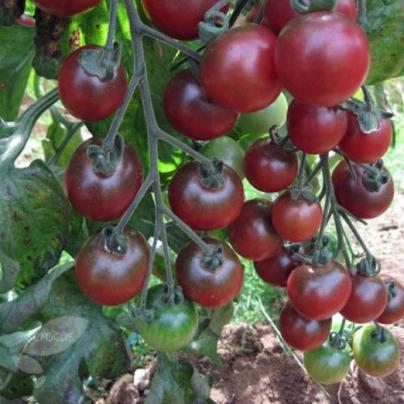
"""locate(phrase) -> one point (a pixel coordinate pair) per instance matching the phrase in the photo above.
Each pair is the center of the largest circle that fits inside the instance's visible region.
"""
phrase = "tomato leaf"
(32, 200)
(16, 54)
(385, 32)
(178, 382)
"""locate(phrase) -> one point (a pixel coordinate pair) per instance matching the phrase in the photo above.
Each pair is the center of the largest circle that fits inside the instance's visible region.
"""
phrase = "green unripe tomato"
(259, 122)
(327, 364)
(172, 326)
(226, 149)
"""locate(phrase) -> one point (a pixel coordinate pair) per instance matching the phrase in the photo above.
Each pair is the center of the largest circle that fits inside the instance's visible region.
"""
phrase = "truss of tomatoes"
(321, 59)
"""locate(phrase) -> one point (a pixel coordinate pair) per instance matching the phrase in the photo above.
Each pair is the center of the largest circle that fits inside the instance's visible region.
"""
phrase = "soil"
(258, 370)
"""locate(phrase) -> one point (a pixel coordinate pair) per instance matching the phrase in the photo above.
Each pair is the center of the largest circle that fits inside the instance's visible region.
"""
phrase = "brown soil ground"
(257, 369)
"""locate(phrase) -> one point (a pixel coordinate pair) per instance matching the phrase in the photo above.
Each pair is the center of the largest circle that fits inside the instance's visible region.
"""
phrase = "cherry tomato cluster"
(320, 59)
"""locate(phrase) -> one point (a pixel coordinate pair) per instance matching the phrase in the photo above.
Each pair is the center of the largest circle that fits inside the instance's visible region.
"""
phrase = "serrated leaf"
(16, 54)
(33, 220)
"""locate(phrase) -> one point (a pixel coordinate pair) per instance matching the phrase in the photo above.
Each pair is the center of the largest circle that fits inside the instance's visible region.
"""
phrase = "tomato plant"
(81, 92)
(210, 279)
(98, 196)
(65, 7)
(173, 324)
(113, 277)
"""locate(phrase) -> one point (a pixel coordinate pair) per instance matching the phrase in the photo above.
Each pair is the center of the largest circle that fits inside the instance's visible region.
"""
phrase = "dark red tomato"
(252, 234)
(317, 293)
(356, 197)
(191, 112)
(85, 96)
(277, 13)
(268, 167)
(237, 69)
(198, 204)
(99, 197)
(367, 300)
(374, 357)
(301, 333)
(296, 221)
(178, 18)
(109, 278)
(25, 21)
(322, 58)
(394, 310)
(365, 147)
(276, 270)
(204, 285)
(315, 130)
(65, 7)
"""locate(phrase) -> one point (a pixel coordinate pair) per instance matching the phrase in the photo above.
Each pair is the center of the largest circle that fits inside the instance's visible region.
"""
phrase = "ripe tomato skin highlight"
(328, 364)
(201, 207)
(277, 13)
(191, 112)
(96, 196)
(111, 279)
(178, 18)
(394, 310)
(65, 7)
(322, 58)
(317, 293)
(301, 333)
(252, 234)
(172, 326)
(276, 270)
(367, 300)
(375, 358)
(355, 196)
(237, 69)
(268, 167)
(202, 285)
(315, 130)
(296, 221)
(88, 97)
(365, 147)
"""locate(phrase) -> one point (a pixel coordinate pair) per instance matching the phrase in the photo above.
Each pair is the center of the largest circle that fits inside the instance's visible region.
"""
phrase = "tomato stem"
(113, 11)
(362, 15)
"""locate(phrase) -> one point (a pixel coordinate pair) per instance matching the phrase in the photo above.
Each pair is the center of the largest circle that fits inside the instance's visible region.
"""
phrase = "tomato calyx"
(374, 177)
(101, 62)
(304, 7)
(215, 24)
(113, 242)
(172, 296)
(337, 339)
(379, 334)
(213, 257)
(105, 158)
(368, 266)
(391, 288)
(212, 175)
(299, 193)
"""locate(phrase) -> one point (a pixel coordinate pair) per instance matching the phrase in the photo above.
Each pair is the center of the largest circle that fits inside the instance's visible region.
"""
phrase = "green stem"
(113, 11)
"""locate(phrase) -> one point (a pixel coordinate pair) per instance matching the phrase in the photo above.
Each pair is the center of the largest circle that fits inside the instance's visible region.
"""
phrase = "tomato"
(191, 112)
(268, 167)
(25, 20)
(322, 58)
(99, 197)
(178, 18)
(276, 270)
(88, 97)
(374, 357)
(259, 122)
(252, 234)
(301, 333)
(110, 278)
(296, 221)
(319, 292)
(227, 150)
(366, 147)
(394, 310)
(201, 206)
(277, 13)
(65, 7)
(172, 326)
(237, 69)
(315, 130)
(328, 364)
(356, 197)
(209, 287)
(367, 300)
